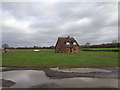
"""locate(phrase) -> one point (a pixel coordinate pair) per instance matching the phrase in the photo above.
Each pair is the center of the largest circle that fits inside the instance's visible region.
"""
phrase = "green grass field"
(48, 58)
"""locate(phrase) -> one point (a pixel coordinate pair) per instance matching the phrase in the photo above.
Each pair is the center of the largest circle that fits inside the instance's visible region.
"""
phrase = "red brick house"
(66, 45)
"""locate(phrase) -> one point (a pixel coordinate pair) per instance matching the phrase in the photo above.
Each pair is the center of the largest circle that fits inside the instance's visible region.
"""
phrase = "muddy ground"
(59, 75)
(7, 83)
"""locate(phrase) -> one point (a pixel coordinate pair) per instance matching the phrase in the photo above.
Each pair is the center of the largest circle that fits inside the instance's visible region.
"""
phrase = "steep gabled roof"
(63, 40)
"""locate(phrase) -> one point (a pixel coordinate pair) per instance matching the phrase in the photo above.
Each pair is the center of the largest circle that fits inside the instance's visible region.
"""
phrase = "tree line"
(87, 45)
(6, 46)
(107, 45)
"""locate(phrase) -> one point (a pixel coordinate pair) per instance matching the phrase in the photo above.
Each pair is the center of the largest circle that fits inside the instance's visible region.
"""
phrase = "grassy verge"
(47, 58)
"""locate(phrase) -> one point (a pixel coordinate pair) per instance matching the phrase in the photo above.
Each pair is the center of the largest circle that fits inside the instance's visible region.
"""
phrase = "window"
(67, 43)
(74, 43)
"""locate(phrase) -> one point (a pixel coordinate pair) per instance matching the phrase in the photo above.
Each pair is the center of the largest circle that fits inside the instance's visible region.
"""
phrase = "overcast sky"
(41, 23)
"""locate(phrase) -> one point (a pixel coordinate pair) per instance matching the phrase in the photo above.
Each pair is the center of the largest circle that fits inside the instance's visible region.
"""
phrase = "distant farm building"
(66, 45)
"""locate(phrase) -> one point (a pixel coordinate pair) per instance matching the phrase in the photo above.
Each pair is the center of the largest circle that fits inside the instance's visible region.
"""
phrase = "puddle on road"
(0, 76)
(25, 78)
(80, 70)
(87, 83)
(2, 68)
(28, 78)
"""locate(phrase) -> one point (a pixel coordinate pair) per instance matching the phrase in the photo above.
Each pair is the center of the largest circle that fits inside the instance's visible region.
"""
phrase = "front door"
(71, 50)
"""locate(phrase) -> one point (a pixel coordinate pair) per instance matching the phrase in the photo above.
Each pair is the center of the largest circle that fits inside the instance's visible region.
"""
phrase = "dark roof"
(63, 40)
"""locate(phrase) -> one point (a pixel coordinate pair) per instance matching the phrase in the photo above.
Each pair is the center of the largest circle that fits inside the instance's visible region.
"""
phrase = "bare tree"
(115, 43)
(87, 44)
(5, 46)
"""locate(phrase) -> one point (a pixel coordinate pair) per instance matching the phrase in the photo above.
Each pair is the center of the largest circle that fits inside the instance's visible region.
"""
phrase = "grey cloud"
(61, 19)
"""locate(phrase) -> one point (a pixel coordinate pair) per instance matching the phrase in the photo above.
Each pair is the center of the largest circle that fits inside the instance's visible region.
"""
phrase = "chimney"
(68, 36)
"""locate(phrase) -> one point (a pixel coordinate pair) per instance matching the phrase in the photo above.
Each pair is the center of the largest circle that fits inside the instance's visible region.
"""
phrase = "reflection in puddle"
(87, 83)
(80, 70)
(28, 78)
(25, 78)
(2, 67)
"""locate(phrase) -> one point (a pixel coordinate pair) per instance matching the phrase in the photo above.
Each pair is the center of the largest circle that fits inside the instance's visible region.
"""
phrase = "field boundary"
(103, 50)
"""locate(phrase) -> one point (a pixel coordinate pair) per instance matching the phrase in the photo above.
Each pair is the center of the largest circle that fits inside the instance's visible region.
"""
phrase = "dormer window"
(74, 43)
(67, 43)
